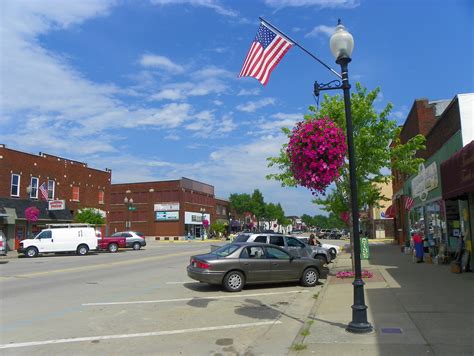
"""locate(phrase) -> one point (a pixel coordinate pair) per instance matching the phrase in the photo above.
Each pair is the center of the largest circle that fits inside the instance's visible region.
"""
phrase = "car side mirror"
(292, 258)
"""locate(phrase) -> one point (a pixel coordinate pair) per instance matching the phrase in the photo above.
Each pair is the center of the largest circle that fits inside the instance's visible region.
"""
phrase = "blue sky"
(149, 88)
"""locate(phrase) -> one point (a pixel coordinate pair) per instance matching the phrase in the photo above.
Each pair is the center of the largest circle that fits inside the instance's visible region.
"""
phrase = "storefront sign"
(364, 248)
(426, 180)
(196, 218)
(166, 206)
(56, 205)
(166, 215)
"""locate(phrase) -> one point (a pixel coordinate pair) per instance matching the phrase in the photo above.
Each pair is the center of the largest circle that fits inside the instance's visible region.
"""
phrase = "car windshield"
(242, 238)
(141, 234)
(226, 250)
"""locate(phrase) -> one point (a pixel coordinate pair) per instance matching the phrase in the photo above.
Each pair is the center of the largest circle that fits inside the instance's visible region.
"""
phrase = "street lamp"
(28, 192)
(342, 44)
(202, 210)
(129, 204)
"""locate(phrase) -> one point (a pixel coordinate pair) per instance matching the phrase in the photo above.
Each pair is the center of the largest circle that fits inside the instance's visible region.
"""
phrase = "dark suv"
(289, 243)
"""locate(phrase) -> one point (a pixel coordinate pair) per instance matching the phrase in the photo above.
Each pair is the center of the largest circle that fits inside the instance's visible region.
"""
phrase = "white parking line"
(125, 336)
(193, 298)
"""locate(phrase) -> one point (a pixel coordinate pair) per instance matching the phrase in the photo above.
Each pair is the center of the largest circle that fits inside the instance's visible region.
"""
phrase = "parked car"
(111, 243)
(323, 233)
(134, 239)
(237, 264)
(331, 248)
(289, 243)
(334, 235)
(60, 239)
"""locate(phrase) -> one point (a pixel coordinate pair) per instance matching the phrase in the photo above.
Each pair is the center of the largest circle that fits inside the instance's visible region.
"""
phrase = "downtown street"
(141, 302)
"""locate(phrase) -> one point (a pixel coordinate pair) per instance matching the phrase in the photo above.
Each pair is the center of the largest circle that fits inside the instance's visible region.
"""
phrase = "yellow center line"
(101, 265)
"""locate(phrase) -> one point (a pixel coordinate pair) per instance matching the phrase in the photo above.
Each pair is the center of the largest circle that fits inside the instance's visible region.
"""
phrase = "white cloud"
(284, 116)
(254, 91)
(321, 29)
(168, 94)
(172, 137)
(212, 4)
(212, 72)
(279, 4)
(161, 62)
(181, 91)
(253, 106)
(217, 102)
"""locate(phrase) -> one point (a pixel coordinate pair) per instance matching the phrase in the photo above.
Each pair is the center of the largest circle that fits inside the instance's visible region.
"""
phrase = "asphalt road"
(141, 302)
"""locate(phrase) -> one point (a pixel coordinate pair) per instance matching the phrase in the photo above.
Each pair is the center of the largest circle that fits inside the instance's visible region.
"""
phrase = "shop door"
(197, 232)
(19, 235)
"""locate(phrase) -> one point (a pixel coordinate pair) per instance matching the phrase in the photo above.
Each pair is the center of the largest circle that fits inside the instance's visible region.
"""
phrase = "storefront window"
(431, 220)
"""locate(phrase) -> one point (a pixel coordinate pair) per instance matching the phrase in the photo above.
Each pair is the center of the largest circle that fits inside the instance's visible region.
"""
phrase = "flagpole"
(298, 45)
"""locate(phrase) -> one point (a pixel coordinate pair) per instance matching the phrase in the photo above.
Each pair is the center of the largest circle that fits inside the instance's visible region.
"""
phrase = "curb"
(299, 338)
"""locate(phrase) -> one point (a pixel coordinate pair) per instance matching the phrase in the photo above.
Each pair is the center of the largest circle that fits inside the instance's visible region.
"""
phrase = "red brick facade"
(64, 172)
(192, 196)
(437, 129)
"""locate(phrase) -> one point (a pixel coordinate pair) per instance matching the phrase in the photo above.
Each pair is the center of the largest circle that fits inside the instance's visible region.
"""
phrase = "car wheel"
(310, 277)
(113, 247)
(321, 258)
(234, 281)
(31, 252)
(82, 250)
(333, 253)
(136, 245)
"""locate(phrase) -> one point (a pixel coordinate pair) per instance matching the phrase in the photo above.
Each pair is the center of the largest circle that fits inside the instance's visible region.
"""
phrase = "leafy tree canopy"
(90, 216)
(377, 149)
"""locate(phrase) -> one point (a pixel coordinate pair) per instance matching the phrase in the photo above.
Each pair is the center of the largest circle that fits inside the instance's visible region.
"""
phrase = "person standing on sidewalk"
(419, 250)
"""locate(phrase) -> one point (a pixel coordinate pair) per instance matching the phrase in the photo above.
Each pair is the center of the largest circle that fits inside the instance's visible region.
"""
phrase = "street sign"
(364, 248)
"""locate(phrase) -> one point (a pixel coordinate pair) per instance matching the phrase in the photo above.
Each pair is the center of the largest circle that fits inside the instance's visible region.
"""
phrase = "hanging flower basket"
(316, 151)
(205, 223)
(345, 217)
(32, 214)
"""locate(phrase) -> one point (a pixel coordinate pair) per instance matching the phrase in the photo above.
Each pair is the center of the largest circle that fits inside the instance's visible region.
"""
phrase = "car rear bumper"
(205, 276)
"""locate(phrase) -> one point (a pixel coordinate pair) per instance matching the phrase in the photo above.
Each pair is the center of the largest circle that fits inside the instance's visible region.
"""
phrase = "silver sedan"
(237, 264)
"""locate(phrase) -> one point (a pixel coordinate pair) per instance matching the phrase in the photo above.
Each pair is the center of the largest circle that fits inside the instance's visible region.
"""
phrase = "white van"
(60, 239)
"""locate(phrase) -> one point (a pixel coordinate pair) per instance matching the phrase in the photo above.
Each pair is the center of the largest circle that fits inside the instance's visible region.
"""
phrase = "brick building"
(448, 126)
(165, 209)
(70, 186)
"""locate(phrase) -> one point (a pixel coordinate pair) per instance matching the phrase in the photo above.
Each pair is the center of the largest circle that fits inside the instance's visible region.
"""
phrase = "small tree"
(90, 216)
(257, 206)
(217, 228)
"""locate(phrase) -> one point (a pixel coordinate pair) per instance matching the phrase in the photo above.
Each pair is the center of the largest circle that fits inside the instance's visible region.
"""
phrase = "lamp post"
(129, 204)
(28, 192)
(342, 44)
(202, 210)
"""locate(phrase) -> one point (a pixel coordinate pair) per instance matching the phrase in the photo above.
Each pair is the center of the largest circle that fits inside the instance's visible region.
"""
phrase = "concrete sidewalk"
(415, 309)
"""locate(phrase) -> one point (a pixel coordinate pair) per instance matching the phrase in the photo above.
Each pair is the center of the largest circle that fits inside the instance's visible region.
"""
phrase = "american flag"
(266, 51)
(409, 202)
(44, 191)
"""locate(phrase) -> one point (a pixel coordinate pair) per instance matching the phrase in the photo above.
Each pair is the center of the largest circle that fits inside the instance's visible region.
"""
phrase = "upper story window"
(51, 188)
(15, 187)
(101, 197)
(34, 184)
(75, 193)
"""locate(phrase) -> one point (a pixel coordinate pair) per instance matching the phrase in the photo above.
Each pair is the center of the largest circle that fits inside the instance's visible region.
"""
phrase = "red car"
(111, 244)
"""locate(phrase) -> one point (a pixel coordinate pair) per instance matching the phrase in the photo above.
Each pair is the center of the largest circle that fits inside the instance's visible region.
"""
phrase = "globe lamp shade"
(341, 42)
